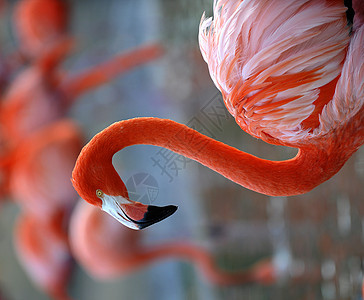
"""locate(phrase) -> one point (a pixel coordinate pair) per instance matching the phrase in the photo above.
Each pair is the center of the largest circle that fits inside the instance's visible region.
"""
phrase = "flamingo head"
(39, 22)
(133, 214)
(100, 185)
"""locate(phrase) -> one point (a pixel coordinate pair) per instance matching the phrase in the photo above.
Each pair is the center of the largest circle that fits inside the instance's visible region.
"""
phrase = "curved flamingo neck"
(309, 168)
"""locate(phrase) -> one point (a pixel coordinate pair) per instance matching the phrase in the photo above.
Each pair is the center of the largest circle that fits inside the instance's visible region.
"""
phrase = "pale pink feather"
(266, 39)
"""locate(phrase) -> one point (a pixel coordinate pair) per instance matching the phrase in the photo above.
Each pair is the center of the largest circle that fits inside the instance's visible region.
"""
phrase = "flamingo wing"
(275, 62)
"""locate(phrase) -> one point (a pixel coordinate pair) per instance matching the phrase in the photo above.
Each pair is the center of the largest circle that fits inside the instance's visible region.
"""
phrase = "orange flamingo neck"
(313, 164)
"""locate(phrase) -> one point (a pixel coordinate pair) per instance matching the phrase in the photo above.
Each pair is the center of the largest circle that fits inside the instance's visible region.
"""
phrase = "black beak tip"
(156, 214)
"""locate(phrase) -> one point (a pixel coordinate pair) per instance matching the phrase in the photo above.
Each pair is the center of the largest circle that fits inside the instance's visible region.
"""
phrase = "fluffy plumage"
(277, 64)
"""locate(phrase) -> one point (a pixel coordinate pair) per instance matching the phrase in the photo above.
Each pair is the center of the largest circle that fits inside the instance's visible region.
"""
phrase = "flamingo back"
(276, 62)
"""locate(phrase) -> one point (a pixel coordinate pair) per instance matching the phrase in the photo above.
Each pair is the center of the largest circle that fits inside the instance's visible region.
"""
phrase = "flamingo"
(41, 149)
(21, 115)
(119, 251)
(289, 73)
(44, 254)
(53, 92)
(39, 183)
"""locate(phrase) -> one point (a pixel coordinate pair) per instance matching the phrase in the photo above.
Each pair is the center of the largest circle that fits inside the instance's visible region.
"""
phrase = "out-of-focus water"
(317, 238)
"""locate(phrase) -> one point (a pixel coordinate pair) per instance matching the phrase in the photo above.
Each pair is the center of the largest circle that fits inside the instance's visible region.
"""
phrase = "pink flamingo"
(44, 256)
(20, 114)
(119, 251)
(289, 73)
(53, 92)
(39, 153)
(39, 183)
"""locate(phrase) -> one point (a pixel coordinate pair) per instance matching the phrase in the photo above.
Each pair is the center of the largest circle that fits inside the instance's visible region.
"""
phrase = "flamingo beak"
(132, 214)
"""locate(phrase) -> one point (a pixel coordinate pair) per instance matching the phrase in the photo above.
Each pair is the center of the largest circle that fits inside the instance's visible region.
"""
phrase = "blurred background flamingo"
(38, 24)
(120, 251)
(322, 245)
(39, 183)
(54, 90)
(52, 95)
(38, 152)
(47, 260)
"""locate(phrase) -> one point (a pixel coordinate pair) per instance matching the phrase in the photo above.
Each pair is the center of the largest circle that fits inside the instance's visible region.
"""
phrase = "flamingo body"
(39, 179)
(33, 100)
(277, 64)
(290, 74)
(22, 116)
(44, 256)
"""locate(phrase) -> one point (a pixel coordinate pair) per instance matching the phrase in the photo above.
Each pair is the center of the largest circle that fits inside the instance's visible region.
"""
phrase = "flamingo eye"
(99, 193)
